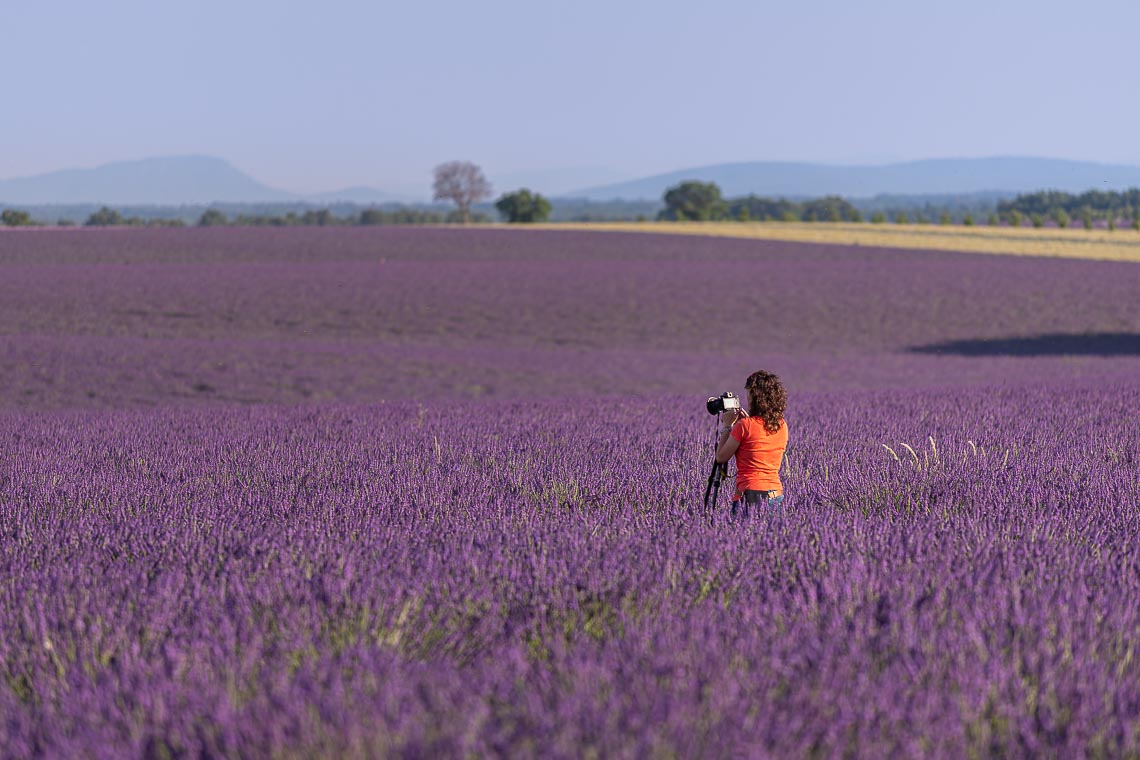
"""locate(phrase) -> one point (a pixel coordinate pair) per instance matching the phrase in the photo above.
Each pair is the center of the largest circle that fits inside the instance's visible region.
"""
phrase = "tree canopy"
(461, 182)
(211, 217)
(523, 206)
(104, 217)
(11, 217)
(694, 201)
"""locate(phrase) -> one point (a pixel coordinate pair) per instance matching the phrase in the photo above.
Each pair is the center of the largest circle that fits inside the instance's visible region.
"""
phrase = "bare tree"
(462, 182)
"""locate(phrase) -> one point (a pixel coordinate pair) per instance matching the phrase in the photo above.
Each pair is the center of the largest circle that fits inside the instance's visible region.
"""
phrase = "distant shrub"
(11, 217)
(789, 216)
(856, 216)
(104, 217)
(1087, 219)
(992, 220)
(323, 218)
(1038, 220)
(878, 217)
(900, 218)
(920, 218)
(1015, 219)
(743, 215)
(1136, 223)
(212, 217)
(1062, 218)
(968, 220)
(1112, 222)
(523, 207)
(693, 201)
(945, 218)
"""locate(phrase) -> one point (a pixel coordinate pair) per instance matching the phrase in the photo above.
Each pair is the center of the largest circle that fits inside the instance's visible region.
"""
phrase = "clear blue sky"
(316, 96)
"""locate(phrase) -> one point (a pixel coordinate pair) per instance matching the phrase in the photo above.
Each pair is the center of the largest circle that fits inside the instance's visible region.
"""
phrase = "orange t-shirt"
(760, 454)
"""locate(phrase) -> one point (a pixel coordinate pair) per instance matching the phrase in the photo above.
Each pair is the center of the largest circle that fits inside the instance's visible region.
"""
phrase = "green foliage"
(1089, 207)
(901, 218)
(743, 215)
(1038, 221)
(789, 216)
(1136, 223)
(830, 207)
(992, 220)
(945, 218)
(211, 217)
(855, 216)
(878, 217)
(371, 216)
(694, 201)
(1015, 218)
(523, 206)
(104, 217)
(320, 218)
(968, 220)
(1099, 203)
(11, 217)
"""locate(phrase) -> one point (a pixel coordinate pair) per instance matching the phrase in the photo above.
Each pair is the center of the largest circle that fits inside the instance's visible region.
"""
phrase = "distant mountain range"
(167, 181)
(934, 176)
(190, 180)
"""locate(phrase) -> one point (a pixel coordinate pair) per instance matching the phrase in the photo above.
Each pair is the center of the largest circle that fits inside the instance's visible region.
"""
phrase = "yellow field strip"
(1118, 245)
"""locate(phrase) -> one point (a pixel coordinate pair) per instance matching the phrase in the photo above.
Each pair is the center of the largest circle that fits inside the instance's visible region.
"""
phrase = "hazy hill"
(933, 176)
(167, 181)
(171, 180)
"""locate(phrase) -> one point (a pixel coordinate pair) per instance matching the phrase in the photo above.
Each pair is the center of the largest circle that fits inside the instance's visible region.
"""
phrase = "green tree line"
(697, 201)
(702, 202)
(1062, 208)
(213, 217)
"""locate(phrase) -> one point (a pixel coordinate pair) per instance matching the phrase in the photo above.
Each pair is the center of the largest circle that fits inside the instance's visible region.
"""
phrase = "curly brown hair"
(767, 399)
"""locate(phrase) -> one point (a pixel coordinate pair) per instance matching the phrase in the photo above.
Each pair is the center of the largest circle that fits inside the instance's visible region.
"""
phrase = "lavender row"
(601, 291)
(953, 573)
(41, 372)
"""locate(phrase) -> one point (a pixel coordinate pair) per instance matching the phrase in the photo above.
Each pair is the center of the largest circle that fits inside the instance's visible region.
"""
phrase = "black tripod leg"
(709, 489)
(716, 477)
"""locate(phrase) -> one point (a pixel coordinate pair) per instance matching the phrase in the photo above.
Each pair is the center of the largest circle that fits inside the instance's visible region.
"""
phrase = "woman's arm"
(727, 445)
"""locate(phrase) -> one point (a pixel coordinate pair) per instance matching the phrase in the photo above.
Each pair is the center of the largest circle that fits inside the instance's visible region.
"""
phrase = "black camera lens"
(716, 404)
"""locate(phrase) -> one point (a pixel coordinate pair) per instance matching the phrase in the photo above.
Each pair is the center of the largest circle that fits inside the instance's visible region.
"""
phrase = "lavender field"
(436, 492)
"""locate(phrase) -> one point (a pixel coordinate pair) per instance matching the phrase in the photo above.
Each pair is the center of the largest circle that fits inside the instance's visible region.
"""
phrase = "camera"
(723, 402)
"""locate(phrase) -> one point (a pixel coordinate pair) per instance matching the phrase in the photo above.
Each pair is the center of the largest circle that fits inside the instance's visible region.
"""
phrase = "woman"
(757, 438)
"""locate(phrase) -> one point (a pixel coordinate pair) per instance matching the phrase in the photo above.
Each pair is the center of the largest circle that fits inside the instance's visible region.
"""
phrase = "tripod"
(718, 475)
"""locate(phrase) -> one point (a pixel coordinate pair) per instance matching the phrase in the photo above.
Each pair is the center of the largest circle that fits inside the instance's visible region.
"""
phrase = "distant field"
(1118, 245)
(437, 492)
(138, 317)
